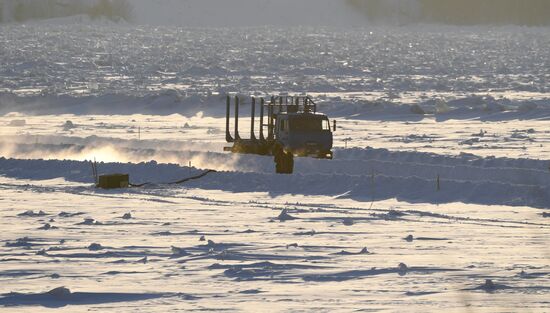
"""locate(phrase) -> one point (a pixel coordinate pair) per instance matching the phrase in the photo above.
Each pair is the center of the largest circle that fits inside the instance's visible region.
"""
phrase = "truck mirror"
(334, 125)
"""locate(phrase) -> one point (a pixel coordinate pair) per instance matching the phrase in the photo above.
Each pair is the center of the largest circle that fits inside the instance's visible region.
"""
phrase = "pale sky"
(246, 12)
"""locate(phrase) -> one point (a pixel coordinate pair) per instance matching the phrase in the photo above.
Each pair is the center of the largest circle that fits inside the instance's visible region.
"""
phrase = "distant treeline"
(23, 10)
(457, 12)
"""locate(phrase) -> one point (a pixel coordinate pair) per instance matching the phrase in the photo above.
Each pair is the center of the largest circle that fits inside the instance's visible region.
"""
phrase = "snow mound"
(485, 182)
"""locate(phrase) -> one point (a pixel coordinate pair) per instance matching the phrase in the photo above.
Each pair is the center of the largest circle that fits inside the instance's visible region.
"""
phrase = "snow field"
(251, 258)
(436, 200)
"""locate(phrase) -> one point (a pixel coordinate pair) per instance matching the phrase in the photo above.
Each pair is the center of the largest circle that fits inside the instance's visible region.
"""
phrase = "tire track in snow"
(369, 161)
(361, 187)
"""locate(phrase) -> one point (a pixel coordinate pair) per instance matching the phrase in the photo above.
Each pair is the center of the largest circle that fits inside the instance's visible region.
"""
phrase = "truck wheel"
(284, 163)
(278, 158)
(289, 163)
(279, 165)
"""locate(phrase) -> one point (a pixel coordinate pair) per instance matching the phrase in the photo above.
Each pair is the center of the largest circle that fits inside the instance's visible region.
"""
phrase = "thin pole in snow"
(372, 186)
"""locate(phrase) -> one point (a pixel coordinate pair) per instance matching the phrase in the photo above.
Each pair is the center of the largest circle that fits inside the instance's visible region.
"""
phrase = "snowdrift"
(366, 175)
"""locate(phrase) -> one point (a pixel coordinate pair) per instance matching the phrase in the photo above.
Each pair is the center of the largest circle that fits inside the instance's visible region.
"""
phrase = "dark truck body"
(294, 128)
(305, 135)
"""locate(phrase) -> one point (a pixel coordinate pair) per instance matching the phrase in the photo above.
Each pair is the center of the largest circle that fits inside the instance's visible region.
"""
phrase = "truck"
(294, 129)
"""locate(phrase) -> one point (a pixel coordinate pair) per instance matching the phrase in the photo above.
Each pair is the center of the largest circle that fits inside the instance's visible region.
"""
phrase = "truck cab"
(304, 134)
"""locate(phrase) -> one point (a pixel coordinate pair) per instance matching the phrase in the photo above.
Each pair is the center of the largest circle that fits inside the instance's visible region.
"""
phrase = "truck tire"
(284, 163)
(278, 158)
(279, 166)
(289, 163)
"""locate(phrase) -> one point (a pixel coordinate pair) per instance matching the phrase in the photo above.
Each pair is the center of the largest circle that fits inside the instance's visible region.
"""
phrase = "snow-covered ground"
(415, 212)
(251, 259)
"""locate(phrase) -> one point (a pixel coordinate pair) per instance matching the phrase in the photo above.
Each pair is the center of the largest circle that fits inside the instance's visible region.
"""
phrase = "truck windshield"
(308, 124)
